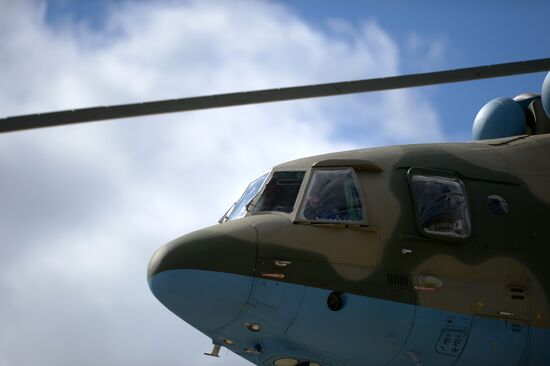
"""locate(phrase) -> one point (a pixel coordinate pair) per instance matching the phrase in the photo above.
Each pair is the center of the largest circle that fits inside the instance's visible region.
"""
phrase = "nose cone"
(205, 277)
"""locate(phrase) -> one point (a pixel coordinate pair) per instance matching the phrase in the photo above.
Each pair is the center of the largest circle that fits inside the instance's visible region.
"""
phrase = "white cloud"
(429, 53)
(84, 207)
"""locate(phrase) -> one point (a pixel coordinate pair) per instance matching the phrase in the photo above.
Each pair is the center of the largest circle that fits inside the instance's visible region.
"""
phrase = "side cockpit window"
(441, 205)
(280, 192)
(333, 196)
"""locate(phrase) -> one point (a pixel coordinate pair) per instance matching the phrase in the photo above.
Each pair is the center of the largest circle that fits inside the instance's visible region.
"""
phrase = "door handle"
(281, 263)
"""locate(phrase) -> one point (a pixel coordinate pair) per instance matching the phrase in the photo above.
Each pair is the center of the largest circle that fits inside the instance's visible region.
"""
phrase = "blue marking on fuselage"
(297, 323)
(206, 300)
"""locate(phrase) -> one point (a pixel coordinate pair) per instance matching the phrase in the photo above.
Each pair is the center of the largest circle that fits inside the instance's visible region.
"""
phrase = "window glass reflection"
(238, 209)
(333, 196)
(442, 207)
(280, 192)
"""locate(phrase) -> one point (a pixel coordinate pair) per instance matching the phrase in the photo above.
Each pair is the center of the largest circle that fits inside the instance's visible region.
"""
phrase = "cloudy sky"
(84, 207)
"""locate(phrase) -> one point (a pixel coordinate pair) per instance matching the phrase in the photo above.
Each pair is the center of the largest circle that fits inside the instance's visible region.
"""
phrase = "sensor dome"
(501, 117)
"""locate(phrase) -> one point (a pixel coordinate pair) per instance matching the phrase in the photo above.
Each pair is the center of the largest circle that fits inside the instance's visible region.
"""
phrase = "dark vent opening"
(517, 293)
(398, 280)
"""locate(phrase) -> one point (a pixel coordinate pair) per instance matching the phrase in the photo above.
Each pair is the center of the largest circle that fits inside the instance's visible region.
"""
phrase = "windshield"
(238, 209)
(281, 192)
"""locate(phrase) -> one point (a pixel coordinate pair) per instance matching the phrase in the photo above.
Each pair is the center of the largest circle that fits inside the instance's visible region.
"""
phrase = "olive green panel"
(230, 247)
(493, 229)
(500, 269)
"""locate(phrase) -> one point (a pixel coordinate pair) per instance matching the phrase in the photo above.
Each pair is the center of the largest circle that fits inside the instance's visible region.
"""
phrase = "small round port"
(334, 301)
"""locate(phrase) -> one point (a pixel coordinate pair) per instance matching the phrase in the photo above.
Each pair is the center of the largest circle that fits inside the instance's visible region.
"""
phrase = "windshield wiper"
(249, 206)
(226, 214)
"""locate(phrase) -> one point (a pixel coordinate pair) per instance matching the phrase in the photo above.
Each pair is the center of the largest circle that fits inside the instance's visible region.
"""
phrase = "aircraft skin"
(408, 297)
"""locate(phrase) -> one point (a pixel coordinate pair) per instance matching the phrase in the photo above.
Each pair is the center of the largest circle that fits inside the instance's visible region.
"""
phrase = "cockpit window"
(238, 209)
(333, 196)
(280, 192)
(441, 205)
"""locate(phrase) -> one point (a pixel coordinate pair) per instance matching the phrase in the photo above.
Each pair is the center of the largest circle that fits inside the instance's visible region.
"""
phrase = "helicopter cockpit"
(331, 196)
(239, 208)
(280, 192)
(278, 195)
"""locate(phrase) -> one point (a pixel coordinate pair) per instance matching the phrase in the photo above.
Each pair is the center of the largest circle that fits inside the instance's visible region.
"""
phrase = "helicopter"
(430, 254)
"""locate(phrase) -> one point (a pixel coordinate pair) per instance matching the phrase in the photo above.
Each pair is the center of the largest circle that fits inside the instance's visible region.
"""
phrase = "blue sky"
(84, 207)
(468, 33)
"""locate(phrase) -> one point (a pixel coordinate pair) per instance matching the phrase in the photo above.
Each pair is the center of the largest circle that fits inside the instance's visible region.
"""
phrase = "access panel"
(495, 341)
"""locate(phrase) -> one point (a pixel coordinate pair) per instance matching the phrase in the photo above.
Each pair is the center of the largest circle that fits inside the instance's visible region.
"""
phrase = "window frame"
(227, 215)
(256, 199)
(299, 216)
(445, 174)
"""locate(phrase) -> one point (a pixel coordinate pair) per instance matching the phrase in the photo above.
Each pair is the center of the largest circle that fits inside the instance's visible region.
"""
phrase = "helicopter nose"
(205, 277)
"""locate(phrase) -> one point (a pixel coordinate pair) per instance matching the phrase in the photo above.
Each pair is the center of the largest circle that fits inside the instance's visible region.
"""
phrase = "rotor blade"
(269, 95)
